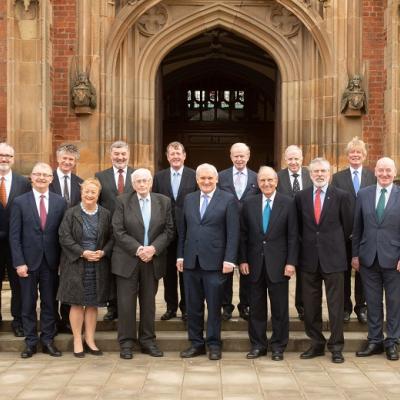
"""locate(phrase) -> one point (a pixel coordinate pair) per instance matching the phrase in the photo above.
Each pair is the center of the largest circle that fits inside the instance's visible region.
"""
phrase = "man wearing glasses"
(11, 186)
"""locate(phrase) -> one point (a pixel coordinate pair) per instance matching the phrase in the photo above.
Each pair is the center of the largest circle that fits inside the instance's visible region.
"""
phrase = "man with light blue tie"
(143, 228)
(352, 179)
(175, 182)
(376, 255)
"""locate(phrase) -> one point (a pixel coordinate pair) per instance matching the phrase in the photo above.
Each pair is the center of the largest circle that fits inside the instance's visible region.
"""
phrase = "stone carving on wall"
(354, 99)
(26, 14)
(83, 94)
(285, 21)
(153, 20)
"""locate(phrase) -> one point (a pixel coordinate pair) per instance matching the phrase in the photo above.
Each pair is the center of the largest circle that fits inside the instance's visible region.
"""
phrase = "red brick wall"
(3, 71)
(373, 46)
(65, 124)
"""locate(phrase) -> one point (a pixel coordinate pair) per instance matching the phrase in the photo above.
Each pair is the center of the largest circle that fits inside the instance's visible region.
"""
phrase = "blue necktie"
(266, 215)
(146, 219)
(203, 205)
(175, 184)
(356, 181)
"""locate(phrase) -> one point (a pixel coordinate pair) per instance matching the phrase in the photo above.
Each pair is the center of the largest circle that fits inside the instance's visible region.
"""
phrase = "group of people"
(108, 240)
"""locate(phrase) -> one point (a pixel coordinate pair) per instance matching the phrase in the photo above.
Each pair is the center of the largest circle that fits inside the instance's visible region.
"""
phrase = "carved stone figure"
(354, 99)
(83, 94)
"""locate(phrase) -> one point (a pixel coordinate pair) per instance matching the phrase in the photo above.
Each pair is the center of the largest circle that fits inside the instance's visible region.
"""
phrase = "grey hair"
(118, 145)
(204, 166)
(265, 168)
(70, 149)
(320, 160)
(293, 147)
(141, 173)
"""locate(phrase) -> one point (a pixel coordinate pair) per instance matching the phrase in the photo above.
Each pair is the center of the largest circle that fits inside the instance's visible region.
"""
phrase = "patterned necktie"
(266, 215)
(66, 190)
(380, 208)
(175, 184)
(121, 181)
(204, 205)
(356, 181)
(239, 184)
(146, 219)
(43, 212)
(3, 193)
(296, 184)
(317, 205)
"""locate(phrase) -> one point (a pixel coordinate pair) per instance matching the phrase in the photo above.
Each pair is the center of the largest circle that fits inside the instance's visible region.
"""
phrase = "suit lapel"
(184, 178)
(349, 182)
(111, 180)
(305, 178)
(286, 181)
(35, 213)
(135, 205)
(13, 190)
(155, 215)
(326, 206)
(309, 204)
(391, 201)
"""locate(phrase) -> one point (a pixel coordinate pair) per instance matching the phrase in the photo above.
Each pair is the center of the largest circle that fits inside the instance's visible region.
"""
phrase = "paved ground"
(232, 378)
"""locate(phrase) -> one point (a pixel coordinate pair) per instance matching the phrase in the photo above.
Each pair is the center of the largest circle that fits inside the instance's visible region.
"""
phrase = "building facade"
(207, 73)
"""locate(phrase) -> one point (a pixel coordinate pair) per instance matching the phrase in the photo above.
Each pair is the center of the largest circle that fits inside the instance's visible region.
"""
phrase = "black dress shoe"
(311, 353)
(255, 353)
(51, 350)
(79, 354)
(169, 314)
(184, 316)
(152, 351)
(244, 313)
(346, 317)
(126, 354)
(392, 353)
(277, 356)
(226, 314)
(362, 317)
(370, 349)
(214, 354)
(28, 352)
(91, 351)
(18, 331)
(193, 352)
(337, 357)
(110, 315)
(300, 312)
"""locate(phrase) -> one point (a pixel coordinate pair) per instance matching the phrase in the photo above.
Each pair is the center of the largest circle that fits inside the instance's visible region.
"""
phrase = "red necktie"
(121, 181)
(3, 194)
(43, 212)
(317, 205)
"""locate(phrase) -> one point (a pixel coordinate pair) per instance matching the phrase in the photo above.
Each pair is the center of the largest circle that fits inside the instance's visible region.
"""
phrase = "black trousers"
(279, 300)
(171, 282)
(6, 265)
(312, 298)
(244, 292)
(143, 285)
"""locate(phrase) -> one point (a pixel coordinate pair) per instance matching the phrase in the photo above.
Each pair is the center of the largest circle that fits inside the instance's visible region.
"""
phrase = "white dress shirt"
(116, 175)
(378, 193)
(359, 170)
(37, 200)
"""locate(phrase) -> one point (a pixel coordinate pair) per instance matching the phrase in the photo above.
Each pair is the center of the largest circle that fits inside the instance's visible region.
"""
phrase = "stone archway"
(143, 34)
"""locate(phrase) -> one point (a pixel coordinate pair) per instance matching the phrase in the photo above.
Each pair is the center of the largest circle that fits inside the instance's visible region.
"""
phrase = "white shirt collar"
(298, 172)
(271, 198)
(388, 188)
(117, 169)
(323, 188)
(61, 174)
(179, 171)
(358, 169)
(209, 195)
(38, 194)
(235, 171)
(7, 176)
(140, 197)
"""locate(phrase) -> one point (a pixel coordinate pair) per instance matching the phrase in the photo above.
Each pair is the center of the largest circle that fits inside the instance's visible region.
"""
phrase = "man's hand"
(290, 270)
(146, 253)
(227, 268)
(22, 271)
(244, 268)
(179, 265)
(355, 263)
(90, 255)
(398, 266)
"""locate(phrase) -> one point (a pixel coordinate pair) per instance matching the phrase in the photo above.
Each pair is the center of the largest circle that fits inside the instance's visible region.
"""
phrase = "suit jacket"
(324, 243)
(275, 248)
(225, 182)
(75, 194)
(371, 238)
(109, 190)
(29, 244)
(284, 185)
(162, 184)
(19, 185)
(343, 180)
(128, 230)
(213, 239)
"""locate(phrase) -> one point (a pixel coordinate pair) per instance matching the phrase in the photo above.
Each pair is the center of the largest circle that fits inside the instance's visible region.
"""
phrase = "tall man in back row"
(175, 182)
(242, 183)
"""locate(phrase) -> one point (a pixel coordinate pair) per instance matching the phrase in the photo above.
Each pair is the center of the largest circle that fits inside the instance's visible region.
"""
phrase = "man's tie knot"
(295, 175)
(383, 190)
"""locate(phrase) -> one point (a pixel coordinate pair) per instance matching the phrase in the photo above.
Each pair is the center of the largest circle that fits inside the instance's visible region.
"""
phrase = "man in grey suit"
(376, 255)
(352, 179)
(143, 227)
(114, 182)
(291, 180)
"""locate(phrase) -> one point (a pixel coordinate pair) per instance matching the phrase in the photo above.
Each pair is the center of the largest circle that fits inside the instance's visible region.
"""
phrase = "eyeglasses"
(38, 175)
(6, 156)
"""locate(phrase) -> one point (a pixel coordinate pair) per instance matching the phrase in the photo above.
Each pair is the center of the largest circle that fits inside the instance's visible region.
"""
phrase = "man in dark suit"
(352, 179)
(207, 250)
(175, 182)
(242, 183)
(35, 219)
(376, 255)
(291, 180)
(325, 222)
(11, 186)
(114, 182)
(268, 254)
(143, 227)
(68, 185)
